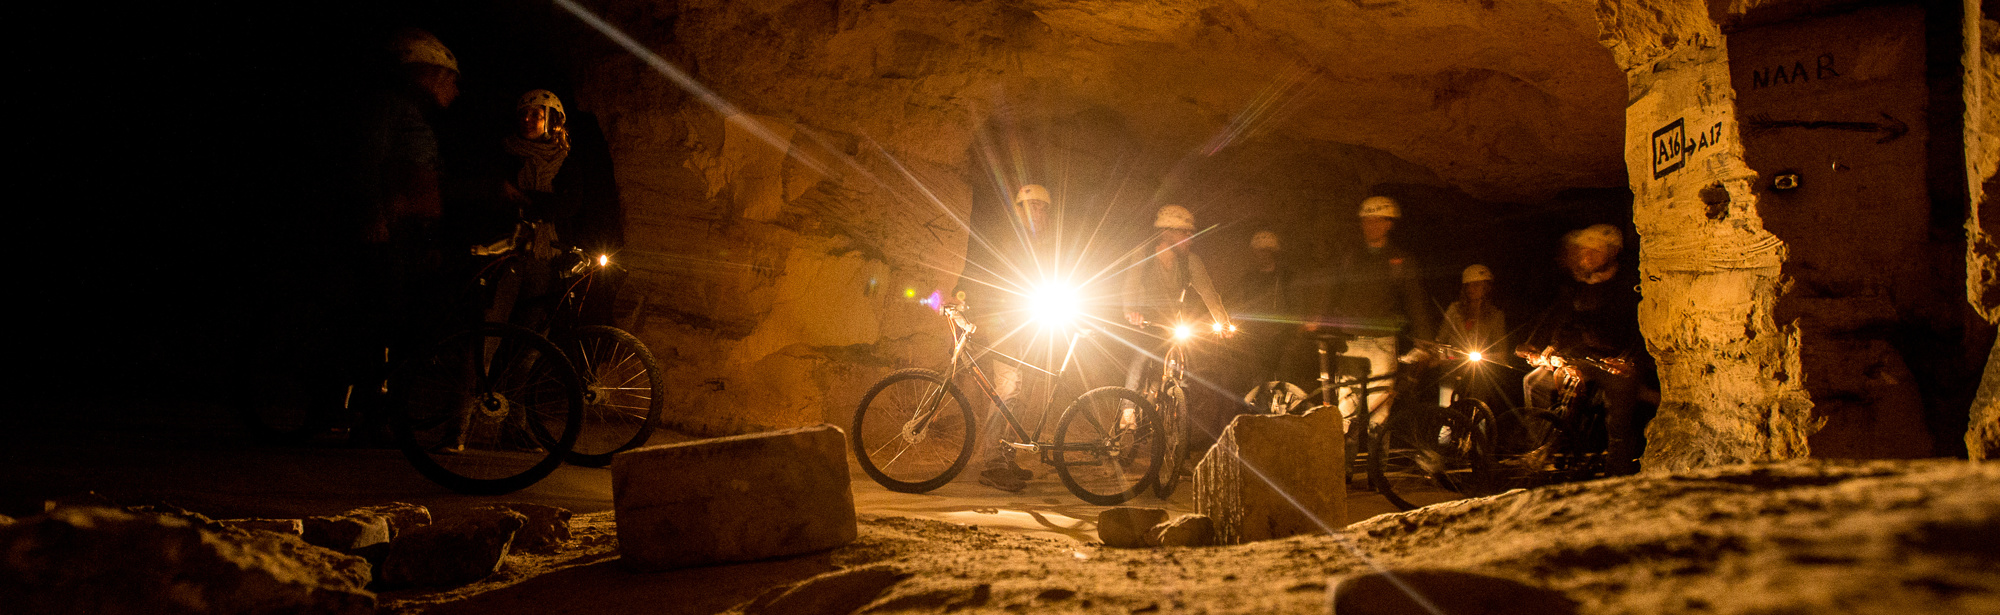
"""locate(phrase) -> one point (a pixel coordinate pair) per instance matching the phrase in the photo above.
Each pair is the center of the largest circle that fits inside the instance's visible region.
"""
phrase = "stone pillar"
(1982, 255)
(1272, 476)
(1730, 382)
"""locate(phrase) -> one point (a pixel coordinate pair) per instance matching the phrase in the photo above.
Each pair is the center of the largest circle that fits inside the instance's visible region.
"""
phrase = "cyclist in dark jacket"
(1595, 315)
(1375, 296)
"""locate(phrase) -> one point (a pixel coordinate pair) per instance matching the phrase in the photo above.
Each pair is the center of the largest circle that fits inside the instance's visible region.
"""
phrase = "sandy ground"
(1901, 538)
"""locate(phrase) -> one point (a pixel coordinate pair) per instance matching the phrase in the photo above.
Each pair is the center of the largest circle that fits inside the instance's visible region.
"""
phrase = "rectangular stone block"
(1272, 476)
(733, 499)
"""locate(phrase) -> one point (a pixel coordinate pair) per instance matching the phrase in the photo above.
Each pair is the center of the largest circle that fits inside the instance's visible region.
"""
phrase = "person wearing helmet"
(524, 168)
(400, 147)
(1268, 305)
(999, 276)
(1375, 295)
(1595, 314)
(1169, 285)
(1474, 323)
(1169, 282)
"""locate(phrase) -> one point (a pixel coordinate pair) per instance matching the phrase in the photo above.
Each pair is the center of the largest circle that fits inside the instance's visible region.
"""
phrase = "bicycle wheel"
(913, 432)
(1108, 446)
(1174, 426)
(623, 389)
(487, 410)
(1430, 447)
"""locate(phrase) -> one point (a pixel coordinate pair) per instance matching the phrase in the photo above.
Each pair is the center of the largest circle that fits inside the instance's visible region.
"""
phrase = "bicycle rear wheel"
(1109, 447)
(487, 410)
(913, 432)
(623, 390)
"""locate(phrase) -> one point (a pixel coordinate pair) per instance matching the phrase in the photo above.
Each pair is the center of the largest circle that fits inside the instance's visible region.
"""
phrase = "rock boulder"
(733, 499)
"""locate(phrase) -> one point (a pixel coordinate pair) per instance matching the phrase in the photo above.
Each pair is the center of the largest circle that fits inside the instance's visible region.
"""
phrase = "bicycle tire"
(1092, 442)
(895, 411)
(1432, 445)
(623, 391)
(477, 410)
(1174, 424)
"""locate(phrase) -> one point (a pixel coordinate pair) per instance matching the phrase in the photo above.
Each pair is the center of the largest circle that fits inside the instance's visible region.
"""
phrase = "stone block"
(86, 559)
(347, 532)
(733, 499)
(547, 528)
(454, 553)
(290, 527)
(1184, 531)
(1127, 527)
(1272, 476)
(402, 516)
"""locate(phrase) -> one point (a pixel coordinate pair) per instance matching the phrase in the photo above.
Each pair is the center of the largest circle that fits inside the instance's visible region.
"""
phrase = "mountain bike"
(1442, 441)
(915, 431)
(1168, 392)
(1345, 394)
(624, 386)
(1564, 442)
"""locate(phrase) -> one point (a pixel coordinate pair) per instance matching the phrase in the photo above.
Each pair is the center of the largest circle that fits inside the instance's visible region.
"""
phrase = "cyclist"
(1375, 295)
(1474, 323)
(1595, 314)
(1269, 303)
(1030, 249)
(1168, 284)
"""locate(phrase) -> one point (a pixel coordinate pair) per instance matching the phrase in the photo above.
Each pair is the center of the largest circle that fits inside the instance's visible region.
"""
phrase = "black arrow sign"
(1895, 127)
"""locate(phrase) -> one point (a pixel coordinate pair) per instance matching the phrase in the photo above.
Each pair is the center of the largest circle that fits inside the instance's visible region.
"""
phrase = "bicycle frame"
(963, 360)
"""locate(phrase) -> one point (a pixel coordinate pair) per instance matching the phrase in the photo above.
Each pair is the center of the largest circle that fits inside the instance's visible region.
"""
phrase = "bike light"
(1475, 356)
(1054, 305)
(603, 260)
(1217, 327)
(1182, 332)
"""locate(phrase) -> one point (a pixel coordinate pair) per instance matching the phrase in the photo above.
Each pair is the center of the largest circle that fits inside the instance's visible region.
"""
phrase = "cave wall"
(1730, 381)
(1982, 159)
(825, 163)
(1813, 320)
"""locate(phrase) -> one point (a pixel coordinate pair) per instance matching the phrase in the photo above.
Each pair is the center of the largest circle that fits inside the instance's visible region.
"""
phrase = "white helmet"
(1599, 236)
(1475, 273)
(543, 98)
(1264, 240)
(1380, 206)
(414, 46)
(1032, 192)
(1174, 217)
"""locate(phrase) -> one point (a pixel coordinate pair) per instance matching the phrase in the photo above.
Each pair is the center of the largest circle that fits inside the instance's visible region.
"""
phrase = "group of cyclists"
(1370, 291)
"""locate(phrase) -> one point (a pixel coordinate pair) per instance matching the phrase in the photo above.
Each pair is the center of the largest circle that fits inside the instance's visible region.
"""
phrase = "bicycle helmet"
(543, 98)
(414, 46)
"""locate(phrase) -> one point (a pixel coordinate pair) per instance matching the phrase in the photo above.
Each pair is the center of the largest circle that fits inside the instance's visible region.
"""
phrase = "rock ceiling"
(1505, 99)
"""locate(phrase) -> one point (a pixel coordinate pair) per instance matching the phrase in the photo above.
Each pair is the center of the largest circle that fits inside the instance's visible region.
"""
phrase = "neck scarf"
(539, 161)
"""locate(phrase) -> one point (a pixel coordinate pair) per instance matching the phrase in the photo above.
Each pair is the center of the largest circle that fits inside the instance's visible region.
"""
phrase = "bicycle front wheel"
(1109, 446)
(623, 389)
(1174, 426)
(1427, 449)
(487, 410)
(913, 432)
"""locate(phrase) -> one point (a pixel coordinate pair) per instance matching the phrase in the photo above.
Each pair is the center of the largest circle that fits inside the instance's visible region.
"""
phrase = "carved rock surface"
(452, 553)
(293, 527)
(101, 560)
(1272, 476)
(1128, 526)
(402, 516)
(546, 530)
(347, 532)
(733, 499)
(1184, 531)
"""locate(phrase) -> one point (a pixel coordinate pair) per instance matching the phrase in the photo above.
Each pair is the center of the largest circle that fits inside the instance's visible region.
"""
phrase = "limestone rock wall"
(1982, 254)
(1730, 381)
(819, 167)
